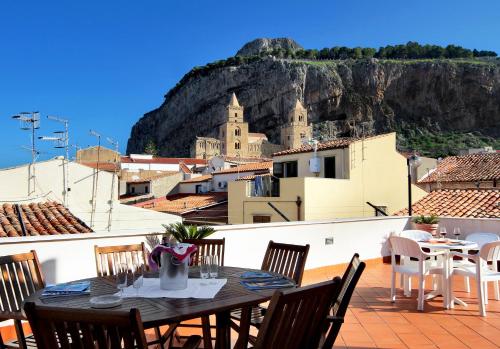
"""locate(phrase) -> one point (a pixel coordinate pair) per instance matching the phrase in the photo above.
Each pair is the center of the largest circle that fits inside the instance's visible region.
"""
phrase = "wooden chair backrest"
(20, 276)
(295, 318)
(56, 327)
(206, 247)
(288, 260)
(339, 307)
(107, 258)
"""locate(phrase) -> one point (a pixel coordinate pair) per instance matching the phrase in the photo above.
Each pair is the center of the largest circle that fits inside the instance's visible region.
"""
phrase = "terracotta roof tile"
(187, 161)
(472, 203)
(251, 167)
(333, 144)
(181, 203)
(252, 177)
(183, 167)
(466, 168)
(46, 218)
(199, 179)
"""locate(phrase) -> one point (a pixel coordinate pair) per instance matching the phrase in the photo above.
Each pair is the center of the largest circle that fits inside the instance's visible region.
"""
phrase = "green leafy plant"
(432, 219)
(180, 231)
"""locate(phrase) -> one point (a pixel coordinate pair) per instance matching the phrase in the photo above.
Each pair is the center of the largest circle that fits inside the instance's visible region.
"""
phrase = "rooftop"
(43, 218)
(466, 168)
(472, 203)
(338, 143)
(157, 160)
(204, 178)
(144, 176)
(252, 167)
(252, 177)
(182, 203)
(103, 166)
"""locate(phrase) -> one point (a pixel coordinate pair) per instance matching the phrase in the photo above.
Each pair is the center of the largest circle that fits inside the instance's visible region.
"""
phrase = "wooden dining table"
(165, 311)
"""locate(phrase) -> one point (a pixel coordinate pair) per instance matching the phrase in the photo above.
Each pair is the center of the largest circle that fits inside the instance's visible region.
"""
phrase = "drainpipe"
(299, 203)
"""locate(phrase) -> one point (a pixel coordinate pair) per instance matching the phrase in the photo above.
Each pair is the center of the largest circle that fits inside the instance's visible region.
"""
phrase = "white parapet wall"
(470, 225)
(71, 257)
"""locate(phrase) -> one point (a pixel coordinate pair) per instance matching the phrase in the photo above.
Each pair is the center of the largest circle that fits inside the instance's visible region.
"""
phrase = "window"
(146, 189)
(237, 132)
(285, 169)
(237, 145)
(132, 190)
(330, 167)
(198, 189)
(222, 133)
(301, 118)
(235, 115)
(262, 219)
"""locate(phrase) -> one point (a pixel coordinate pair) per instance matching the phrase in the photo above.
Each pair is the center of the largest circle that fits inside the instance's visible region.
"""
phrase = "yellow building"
(345, 175)
(296, 131)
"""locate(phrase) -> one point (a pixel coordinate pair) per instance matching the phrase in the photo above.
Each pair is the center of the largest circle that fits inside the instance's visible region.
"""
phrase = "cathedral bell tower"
(233, 134)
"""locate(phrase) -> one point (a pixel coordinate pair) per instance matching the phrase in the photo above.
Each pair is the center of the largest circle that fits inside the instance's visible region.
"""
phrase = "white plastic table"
(444, 287)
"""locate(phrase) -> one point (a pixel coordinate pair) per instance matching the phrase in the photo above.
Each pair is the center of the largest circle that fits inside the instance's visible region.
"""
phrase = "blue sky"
(103, 64)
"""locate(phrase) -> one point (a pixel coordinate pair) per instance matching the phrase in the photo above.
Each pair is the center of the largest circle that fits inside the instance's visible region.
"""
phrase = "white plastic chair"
(417, 235)
(480, 239)
(481, 271)
(410, 248)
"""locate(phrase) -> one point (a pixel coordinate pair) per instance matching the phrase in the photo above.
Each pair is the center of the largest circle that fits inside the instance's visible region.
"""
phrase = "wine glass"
(456, 232)
(205, 267)
(138, 278)
(442, 232)
(121, 277)
(214, 268)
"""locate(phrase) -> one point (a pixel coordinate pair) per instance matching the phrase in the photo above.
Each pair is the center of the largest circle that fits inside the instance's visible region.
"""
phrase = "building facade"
(348, 179)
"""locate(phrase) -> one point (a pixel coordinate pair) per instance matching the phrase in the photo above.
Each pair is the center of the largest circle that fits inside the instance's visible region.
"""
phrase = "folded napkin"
(264, 284)
(257, 275)
(179, 251)
(68, 289)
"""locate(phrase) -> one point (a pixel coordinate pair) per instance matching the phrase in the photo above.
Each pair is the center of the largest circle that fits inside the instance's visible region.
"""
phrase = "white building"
(148, 162)
(91, 196)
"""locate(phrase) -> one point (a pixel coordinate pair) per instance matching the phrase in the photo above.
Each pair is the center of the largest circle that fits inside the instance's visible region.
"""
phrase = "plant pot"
(430, 228)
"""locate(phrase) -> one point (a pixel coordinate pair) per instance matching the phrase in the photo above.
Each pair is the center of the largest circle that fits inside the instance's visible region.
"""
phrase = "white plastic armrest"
(465, 255)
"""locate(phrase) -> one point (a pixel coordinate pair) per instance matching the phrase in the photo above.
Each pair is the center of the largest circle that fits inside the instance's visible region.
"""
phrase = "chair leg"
(207, 334)
(18, 325)
(480, 298)
(497, 290)
(485, 292)
(393, 286)
(421, 287)
(159, 336)
(467, 284)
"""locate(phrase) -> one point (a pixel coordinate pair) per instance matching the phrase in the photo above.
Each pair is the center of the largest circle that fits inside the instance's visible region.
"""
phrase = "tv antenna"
(115, 144)
(95, 181)
(30, 121)
(61, 140)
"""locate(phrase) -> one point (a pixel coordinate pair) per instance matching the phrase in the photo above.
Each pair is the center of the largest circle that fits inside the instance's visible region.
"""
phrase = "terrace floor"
(374, 322)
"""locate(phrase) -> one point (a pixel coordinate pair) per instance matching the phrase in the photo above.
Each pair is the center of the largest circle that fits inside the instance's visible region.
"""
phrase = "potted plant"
(180, 231)
(427, 223)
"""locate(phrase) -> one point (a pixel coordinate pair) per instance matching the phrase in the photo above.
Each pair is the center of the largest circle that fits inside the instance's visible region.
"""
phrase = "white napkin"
(196, 288)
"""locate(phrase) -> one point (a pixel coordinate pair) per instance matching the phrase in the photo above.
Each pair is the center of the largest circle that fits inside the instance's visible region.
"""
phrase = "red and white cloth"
(180, 252)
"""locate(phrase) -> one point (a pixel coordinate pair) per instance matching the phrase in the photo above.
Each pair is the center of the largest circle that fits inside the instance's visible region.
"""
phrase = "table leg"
(223, 331)
(244, 329)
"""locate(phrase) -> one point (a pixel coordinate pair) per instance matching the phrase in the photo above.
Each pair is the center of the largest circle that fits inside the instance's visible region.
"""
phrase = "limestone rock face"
(348, 95)
(255, 47)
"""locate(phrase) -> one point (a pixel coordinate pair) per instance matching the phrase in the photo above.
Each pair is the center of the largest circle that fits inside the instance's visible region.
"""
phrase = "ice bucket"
(173, 273)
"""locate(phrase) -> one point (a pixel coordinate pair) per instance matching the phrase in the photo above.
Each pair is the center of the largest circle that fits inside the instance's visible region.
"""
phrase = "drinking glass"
(138, 277)
(456, 232)
(205, 267)
(214, 267)
(442, 232)
(121, 277)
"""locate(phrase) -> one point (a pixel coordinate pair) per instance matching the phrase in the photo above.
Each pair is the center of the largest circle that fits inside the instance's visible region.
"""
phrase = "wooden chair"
(285, 259)
(295, 318)
(20, 276)
(55, 327)
(213, 247)
(107, 258)
(339, 307)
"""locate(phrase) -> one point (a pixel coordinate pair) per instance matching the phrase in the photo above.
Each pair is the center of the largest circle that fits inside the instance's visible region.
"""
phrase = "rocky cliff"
(344, 97)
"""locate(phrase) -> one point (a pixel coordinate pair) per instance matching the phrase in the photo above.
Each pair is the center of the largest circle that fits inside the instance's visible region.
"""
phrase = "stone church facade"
(234, 140)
